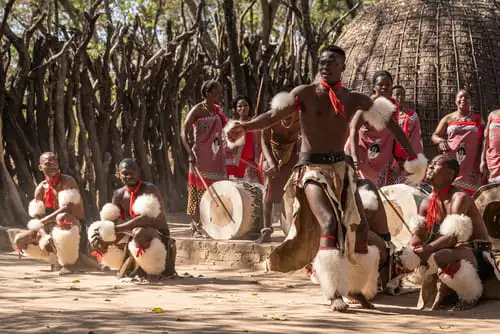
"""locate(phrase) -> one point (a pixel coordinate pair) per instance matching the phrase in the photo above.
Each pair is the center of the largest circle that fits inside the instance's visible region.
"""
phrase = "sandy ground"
(34, 300)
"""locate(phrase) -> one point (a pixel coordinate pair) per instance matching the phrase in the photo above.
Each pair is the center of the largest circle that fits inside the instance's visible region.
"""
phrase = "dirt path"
(33, 300)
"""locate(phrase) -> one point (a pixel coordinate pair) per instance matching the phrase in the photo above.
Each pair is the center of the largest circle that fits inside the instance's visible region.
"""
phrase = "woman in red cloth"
(490, 162)
(243, 162)
(204, 124)
(373, 150)
(409, 121)
(459, 134)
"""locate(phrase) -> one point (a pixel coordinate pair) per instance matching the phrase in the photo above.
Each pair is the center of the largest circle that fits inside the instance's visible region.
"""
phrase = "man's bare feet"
(338, 304)
(55, 267)
(462, 305)
(66, 270)
(358, 298)
(265, 236)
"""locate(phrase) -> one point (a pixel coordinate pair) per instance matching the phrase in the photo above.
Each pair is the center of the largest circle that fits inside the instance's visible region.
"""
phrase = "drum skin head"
(487, 199)
(229, 212)
(404, 201)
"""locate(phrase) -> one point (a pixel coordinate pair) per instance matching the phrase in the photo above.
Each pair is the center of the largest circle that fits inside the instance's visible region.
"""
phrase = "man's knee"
(443, 258)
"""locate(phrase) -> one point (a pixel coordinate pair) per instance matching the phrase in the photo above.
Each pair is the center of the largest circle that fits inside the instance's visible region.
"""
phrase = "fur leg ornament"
(364, 273)
(151, 259)
(67, 243)
(330, 269)
(465, 281)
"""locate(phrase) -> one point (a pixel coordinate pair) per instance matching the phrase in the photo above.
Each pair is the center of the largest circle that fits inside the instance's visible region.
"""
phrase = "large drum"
(232, 210)
(401, 202)
(487, 199)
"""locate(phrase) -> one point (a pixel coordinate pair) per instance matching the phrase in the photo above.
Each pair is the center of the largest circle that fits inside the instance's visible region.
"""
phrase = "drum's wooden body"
(401, 201)
(234, 213)
(487, 199)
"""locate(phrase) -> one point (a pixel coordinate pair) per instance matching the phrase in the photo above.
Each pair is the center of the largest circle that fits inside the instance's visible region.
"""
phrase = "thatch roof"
(433, 48)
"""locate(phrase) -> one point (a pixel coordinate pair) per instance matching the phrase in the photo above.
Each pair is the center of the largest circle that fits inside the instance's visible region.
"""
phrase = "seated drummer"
(143, 228)
(450, 235)
(57, 210)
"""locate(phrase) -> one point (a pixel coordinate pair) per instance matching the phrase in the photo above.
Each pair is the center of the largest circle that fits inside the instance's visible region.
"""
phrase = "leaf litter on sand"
(157, 310)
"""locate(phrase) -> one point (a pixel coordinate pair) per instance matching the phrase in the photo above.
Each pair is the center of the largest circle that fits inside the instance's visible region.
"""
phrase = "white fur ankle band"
(330, 269)
(459, 226)
(465, 281)
(380, 113)
(364, 273)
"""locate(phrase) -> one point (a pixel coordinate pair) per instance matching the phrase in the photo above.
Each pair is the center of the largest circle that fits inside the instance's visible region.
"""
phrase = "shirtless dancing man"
(57, 209)
(139, 207)
(450, 235)
(322, 185)
(280, 147)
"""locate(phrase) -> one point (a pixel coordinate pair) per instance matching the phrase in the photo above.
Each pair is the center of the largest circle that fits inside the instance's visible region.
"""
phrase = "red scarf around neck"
(338, 107)
(433, 210)
(133, 197)
(50, 193)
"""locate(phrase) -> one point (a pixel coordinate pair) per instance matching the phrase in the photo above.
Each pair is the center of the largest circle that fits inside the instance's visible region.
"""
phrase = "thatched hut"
(433, 48)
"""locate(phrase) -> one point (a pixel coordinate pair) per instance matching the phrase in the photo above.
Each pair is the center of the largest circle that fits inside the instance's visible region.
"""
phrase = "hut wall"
(431, 47)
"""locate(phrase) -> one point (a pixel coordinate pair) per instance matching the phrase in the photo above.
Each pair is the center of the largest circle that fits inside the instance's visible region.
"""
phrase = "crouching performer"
(321, 195)
(450, 239)
(54, 231)
(134, 225)
(378, 234)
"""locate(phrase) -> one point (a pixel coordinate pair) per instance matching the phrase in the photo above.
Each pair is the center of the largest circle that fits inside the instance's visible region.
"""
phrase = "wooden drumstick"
(218, 200)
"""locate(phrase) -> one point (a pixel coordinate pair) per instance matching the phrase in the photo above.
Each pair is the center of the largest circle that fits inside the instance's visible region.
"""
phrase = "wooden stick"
(259, 95)
(215, 198)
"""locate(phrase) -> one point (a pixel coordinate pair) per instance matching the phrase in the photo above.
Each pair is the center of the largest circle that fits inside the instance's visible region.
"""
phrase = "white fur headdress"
(69, 196)
(147, 205)
(238, 142)
(459, 226)
(369, 199)
(380, 113)
(36, 208)
(416, 169)
(110, 211)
